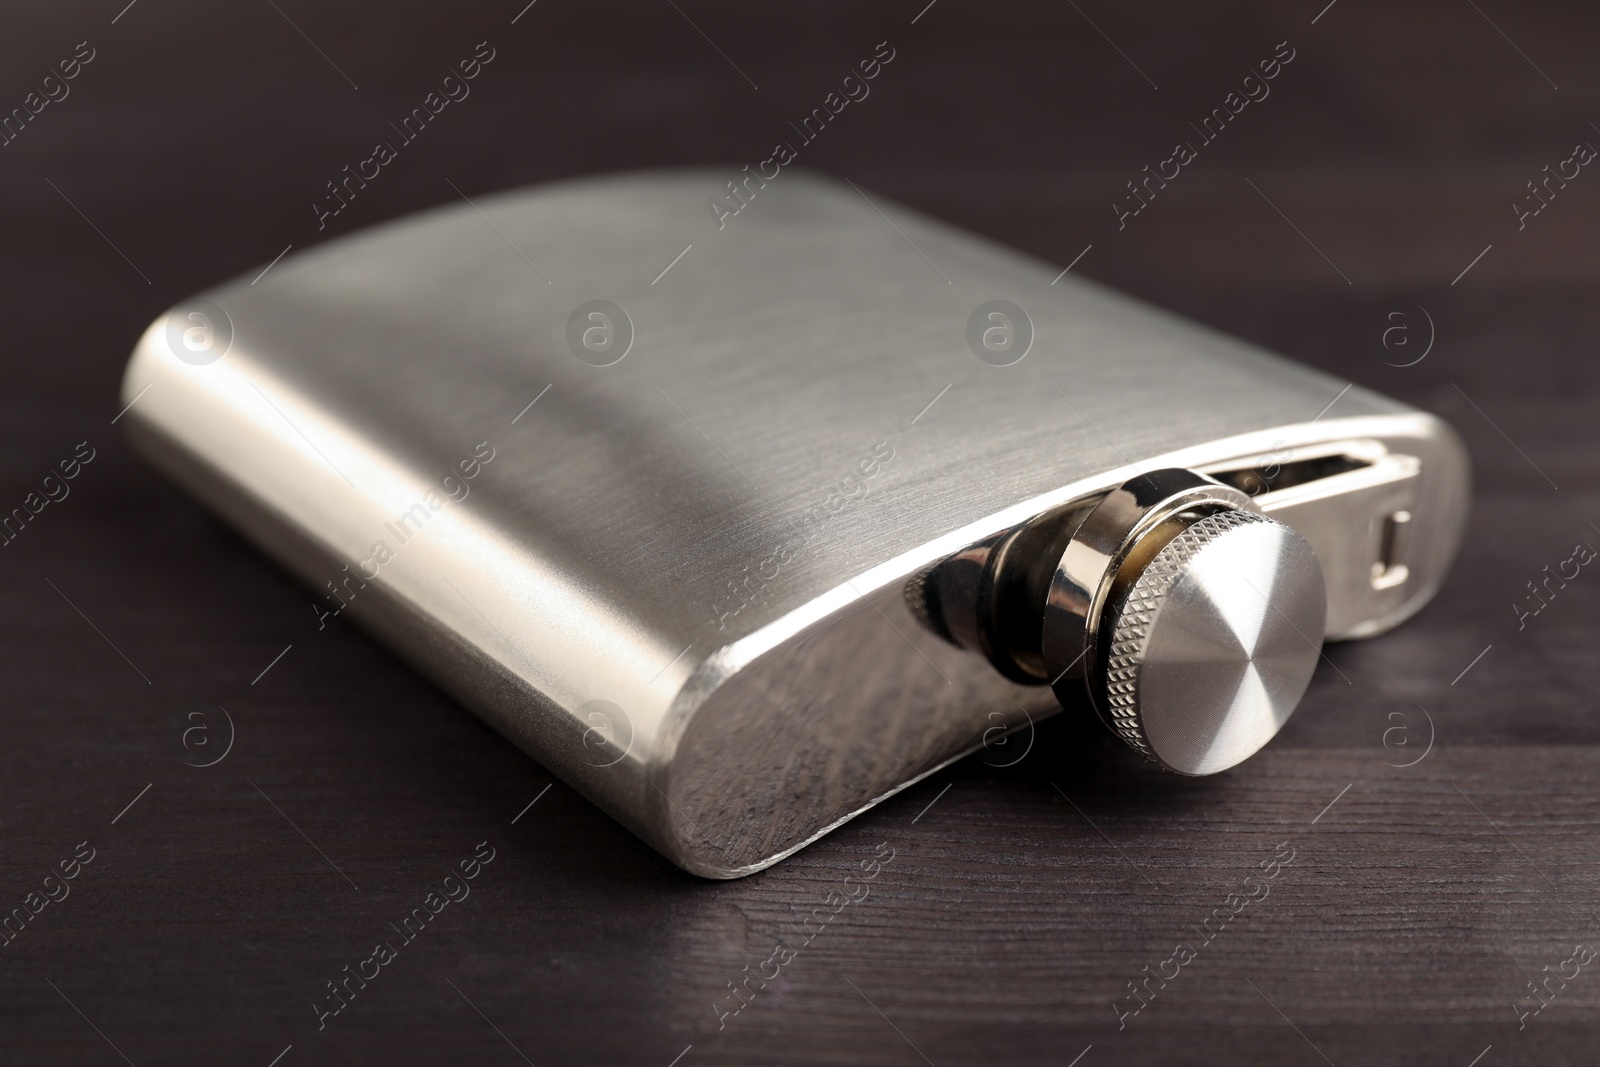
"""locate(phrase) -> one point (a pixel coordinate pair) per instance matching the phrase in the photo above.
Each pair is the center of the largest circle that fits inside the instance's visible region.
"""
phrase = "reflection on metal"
(999, 738)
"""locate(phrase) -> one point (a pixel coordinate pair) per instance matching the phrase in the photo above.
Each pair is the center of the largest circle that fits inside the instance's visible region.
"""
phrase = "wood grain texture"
(1020, 901)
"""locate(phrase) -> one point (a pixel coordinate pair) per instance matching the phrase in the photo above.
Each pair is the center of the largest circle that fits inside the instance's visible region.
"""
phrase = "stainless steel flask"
(741, 522)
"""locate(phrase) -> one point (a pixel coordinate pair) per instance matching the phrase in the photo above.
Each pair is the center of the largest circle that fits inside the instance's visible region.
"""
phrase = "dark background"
(1417, 907)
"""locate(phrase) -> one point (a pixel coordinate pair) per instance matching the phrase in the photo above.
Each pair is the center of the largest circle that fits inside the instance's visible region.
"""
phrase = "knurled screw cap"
(1215, 642)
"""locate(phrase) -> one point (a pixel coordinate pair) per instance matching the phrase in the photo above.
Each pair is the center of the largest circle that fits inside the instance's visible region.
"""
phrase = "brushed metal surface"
(675, 582)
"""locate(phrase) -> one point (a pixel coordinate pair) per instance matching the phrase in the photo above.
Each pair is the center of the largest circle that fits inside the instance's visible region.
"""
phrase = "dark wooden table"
(1020, 902)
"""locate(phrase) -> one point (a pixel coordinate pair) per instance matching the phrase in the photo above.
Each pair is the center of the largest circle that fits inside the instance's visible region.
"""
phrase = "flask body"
(679, 553)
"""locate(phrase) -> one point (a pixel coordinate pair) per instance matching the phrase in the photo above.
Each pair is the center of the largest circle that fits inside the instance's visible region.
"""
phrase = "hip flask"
(741, 542)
